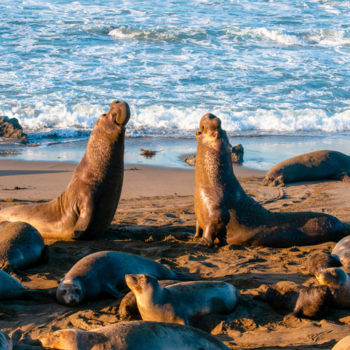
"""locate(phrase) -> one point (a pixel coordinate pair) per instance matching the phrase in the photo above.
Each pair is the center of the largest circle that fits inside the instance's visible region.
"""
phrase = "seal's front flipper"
(199, 230)
(112, 291)
(343, 177)
(16, 336)
(86, 212)
(296, 313)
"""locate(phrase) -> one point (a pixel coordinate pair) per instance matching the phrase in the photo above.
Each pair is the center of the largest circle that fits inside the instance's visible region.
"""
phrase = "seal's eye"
(64, 291)
(76, 290)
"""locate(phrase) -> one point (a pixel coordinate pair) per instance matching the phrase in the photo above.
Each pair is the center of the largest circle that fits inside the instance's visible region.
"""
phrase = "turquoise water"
(276, 68)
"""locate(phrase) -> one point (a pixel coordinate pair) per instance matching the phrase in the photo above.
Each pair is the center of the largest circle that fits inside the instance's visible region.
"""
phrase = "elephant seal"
(292, 299)
(343, 344)
(224, 211)
(21, 247)
(341, 251)
(340, 281)
(182, 303)
(136, 335)
(318, 165)
(86, 208)
(7, 343)
(128, 310)
(103, 273)
(320, 261)
(12, 289)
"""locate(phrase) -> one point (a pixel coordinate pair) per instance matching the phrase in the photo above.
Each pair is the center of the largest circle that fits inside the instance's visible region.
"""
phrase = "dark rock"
(10, 128)
(237, 156)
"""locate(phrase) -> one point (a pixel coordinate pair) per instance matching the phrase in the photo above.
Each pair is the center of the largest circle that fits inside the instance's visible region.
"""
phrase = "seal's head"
(117, 116)
(141, 283)
(70, 293)
(332, 277)
(65, 339)
(211, 132)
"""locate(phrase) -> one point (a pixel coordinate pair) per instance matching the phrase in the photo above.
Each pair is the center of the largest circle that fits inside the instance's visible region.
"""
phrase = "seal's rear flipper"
(112, 291)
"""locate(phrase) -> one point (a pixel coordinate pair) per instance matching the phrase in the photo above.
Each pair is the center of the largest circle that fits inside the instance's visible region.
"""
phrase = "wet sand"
(155, 219)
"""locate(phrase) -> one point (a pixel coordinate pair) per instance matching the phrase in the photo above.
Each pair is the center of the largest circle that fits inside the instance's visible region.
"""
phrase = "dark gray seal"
(21, 247)
(137, 335)
(8, 343)
(103, 273)
(319, 261)
(224, 211)
(182, 303)
(341, 251)
(314, 166)
(86, 208)
(292, 299)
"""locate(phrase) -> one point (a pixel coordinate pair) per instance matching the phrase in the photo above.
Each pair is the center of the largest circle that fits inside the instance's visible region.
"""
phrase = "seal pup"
(103, 273)
(340, 281)
(136, 335)
(21, 247)
(181, 303)
(7, 343)
(292, 299)
(319, 261)
(128, 310)
(343, 344)
(341, 251)
(86, 208)
(12, 289)
(224, 211)
(313, 166)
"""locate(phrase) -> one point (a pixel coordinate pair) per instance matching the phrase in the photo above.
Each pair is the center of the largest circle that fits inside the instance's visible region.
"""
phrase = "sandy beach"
(156, 219)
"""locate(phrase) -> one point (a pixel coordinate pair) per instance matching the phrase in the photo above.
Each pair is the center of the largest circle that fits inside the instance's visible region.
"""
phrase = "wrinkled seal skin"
(86, 208)
(103, 273)
(338, 279)
(21, 247)
(137, 335)
(182, 303)
(319, 165)
(128, 310)
(343, 344)
(224, 211)
(319, 261)
(292, 299)
(341, 251)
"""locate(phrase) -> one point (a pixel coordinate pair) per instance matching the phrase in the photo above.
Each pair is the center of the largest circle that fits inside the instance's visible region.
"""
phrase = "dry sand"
(155, 219)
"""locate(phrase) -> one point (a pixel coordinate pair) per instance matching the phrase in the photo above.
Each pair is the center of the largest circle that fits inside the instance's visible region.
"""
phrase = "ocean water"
(266, 68)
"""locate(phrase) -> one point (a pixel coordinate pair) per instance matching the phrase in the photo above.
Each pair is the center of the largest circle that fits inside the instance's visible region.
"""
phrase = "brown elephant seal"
(292, 299)
(341, 251)
(86, 208)
(314, 166)
(21, 247)
(224, 211)
(12, 289)
(181, 303)
(128, 310)
(103, 273)
(340, 281)
(319, 261)
(343, 344)
(136, 335)
(7, 343)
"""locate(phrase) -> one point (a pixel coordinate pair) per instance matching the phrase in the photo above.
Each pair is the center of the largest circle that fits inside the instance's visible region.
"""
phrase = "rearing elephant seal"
(224, 211)
(133, 336)
(313, 166)
(86, 208)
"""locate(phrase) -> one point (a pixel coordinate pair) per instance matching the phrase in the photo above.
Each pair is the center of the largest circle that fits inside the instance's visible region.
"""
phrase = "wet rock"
(11, 128)
(191, 160)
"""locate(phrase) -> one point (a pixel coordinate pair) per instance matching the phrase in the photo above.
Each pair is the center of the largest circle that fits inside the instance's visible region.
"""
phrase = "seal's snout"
(120, 112)
(209, 123)
(131, 280)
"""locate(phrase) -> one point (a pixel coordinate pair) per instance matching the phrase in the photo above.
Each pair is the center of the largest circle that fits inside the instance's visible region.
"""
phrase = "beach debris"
(148, 153)
(237, 156)
(131, 169)
(11, 128)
